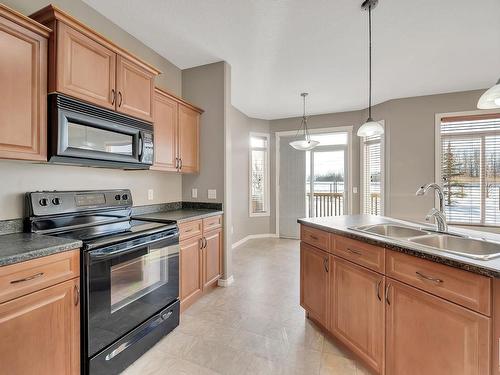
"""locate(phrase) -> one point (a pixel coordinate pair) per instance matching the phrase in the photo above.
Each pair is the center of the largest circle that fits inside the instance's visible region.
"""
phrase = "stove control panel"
(42, 203)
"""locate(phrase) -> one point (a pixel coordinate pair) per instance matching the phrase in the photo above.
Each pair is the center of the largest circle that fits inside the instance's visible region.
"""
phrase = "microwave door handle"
(140, 144)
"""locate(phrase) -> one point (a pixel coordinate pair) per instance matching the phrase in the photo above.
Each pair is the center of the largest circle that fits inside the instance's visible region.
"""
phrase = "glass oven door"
(126, 284)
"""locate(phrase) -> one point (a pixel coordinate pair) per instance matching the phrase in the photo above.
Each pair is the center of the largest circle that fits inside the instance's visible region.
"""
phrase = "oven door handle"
(107, 253)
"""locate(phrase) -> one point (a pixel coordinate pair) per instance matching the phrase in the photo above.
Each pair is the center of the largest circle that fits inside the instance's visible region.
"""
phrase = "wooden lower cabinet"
(357, 310)
(212, 257)
(314, 282)
(428, 335)
(191, 278)
(40, 332)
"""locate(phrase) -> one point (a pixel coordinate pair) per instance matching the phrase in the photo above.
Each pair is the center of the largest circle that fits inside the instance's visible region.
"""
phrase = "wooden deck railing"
(328, 204)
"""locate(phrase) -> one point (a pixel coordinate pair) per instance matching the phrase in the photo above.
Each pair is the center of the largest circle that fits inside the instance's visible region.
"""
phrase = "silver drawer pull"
(357, 252)
(27, 278)
(188, 230)
(429, 278)
(314, 237)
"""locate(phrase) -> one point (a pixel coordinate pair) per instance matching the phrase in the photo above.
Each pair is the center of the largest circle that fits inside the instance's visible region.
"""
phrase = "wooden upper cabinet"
(23, 78)
(41, 332)
(134, 89)
(165, 132)
(85, 68)
(314, 285)
(212, 256)
(357, 310)
(189, 139)
(428, 335)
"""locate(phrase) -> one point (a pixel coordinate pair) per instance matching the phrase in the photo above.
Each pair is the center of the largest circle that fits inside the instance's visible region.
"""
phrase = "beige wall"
(20, 177)
(204, 86)
(240, 127)
(410, 145)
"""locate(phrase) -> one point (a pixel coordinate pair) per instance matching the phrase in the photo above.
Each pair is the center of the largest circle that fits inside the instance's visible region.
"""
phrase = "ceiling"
(279, 48)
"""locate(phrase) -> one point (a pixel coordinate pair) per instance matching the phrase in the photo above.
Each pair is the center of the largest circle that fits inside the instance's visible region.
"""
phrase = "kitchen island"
(400, 306)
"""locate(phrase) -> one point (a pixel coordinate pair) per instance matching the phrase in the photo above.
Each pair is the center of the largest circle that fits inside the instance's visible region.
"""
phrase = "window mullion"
(482, 180)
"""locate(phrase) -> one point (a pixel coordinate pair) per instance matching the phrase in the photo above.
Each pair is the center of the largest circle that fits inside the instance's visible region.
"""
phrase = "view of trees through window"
(470, 170)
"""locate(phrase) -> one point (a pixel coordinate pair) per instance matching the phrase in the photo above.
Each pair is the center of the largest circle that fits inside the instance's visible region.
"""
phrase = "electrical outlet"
(194, 193)
(151, 194)
(212, 194)
(355, 190)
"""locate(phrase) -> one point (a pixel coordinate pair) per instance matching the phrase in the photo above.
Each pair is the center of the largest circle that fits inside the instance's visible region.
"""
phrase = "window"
(259, 174)
(372, 175)
(469, 149)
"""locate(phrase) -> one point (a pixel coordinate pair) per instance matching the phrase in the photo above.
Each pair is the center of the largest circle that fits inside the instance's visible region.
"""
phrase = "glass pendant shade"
(304, 144)
(370, 128)
(491, 98)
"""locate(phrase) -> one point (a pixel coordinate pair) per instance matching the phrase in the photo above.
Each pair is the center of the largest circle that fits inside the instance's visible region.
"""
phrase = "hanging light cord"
(303, 124)
(370, 61)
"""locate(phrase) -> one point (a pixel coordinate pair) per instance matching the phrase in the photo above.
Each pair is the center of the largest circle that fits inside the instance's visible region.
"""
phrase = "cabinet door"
(212, 257)
(314, 282)
(428, 335)
(23, 78)
(191, 260)
(135, 89)
(85, 68)
(357, 310)
(165, 132)
(189, 135)
(41, 332)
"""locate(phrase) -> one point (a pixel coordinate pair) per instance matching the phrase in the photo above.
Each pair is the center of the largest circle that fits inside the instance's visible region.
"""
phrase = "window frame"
(267, 175)
(438, 158)
(362, 200)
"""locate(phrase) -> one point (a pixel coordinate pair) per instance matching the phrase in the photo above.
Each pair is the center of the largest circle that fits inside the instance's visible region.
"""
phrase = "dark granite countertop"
(19, 247)
(341, 224)
(181, 215)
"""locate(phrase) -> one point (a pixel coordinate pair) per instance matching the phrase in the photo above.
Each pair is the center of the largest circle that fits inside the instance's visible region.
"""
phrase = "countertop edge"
(39, 253)
(399, 247)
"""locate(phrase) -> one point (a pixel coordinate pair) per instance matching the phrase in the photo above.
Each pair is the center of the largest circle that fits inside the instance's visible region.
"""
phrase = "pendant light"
(305, 143)
(370, 127)
(491, 98)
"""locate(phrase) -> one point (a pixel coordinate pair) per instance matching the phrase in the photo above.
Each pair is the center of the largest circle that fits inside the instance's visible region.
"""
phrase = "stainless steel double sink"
(449, 242)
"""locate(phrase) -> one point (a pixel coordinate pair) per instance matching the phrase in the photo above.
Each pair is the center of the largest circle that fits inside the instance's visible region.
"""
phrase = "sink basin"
(392, 230)
(467, 247)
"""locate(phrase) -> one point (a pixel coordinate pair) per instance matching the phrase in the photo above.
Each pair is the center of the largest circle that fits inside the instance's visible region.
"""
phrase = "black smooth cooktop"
(112, 232)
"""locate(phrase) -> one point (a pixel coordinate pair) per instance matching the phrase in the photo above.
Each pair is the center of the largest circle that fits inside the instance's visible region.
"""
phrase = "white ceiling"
(279, 48)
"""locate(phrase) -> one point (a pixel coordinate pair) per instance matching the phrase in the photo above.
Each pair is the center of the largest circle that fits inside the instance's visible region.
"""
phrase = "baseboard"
(253, 237)
(225, 282)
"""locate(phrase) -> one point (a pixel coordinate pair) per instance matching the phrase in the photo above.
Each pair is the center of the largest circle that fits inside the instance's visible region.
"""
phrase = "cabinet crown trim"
(24, 21)
(53, 13)
(178, 99)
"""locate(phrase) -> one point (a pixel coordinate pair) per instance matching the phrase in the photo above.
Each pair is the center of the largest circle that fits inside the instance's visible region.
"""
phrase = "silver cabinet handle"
(177, 163)
(429, 278)
(36, 276)
(325, 264)
(313, 237)
(120, 98)
(377, 288)
(113, 96)
(77, 295)
(180, 163)
(206, 242)
(387, 294)
(352, 251)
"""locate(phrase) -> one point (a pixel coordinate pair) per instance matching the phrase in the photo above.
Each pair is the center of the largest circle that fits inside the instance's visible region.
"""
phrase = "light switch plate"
(151, 194)
(194, 193)
(355, 190)
(212, 194)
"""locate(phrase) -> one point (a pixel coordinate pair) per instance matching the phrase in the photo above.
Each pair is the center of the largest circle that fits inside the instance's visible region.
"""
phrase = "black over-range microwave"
(85, 134)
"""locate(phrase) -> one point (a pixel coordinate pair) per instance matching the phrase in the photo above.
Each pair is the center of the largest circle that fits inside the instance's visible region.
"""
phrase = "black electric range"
(129, 272)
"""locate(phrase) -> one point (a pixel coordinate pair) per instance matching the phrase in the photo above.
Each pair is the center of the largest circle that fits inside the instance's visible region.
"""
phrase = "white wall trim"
(225, 282)
(347, 129)
(253, 237)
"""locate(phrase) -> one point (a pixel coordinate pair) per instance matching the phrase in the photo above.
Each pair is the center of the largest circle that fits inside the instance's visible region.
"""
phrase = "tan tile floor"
(255, 326)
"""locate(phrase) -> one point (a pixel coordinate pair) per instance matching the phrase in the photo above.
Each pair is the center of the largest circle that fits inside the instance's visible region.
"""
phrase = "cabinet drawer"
(26, 277)
(190, 229)
(465, 288)
(315, 237)
(213, 222)
(364, 254)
